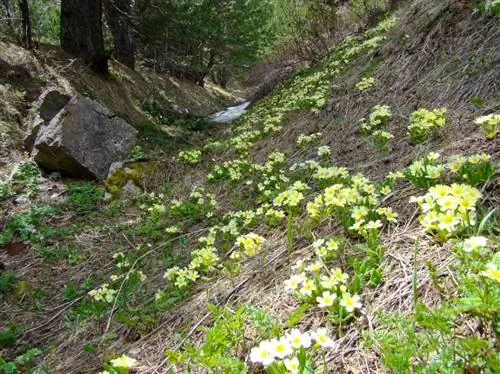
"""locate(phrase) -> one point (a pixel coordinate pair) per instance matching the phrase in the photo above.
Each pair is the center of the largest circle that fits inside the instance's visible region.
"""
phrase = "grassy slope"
(437, 56)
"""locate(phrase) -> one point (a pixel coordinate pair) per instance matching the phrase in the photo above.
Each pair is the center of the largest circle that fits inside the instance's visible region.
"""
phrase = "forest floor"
(201, 265)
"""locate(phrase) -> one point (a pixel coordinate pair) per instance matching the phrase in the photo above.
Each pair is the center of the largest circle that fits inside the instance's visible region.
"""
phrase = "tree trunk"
(26, 23)
(81, 32)
(118, 17)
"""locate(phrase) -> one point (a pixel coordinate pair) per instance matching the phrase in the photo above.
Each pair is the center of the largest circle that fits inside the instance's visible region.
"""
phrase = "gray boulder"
(50, 103)
(83, 139)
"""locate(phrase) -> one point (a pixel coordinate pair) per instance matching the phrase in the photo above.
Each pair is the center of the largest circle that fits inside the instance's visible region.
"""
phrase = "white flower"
(298, 339)
(474, 242)
(307, 288)
(262, 354)
(350, 302)
(321, 337)
(292, 365)
(281, 348)
(293, 282)
(326, 299)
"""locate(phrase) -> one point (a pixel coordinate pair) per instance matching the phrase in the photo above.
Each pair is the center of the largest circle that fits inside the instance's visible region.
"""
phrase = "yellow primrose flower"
(307, 288)
(298, 339)
(373, 225)
(292, 283)
(124, 362)
(314, 267)
(321, 337)
(292, 365)
(339, 275)
(329, 282)
(281, 348)
(492, 272)
(326, 299)
(350, 302)
(448, 221)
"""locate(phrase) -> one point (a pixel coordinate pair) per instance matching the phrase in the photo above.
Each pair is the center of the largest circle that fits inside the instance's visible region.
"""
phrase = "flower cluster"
(324, 152)
(353, 204)
(365, 83)
(425, 172)
(103, 293)
(285, 350)
(199, 205)
(203, 260)
(473, 170)
(424, 122)
(330, 175)
(304, 141)
(381, 140)
(245, 140)
(380, 116)
(190, 156)
(490, 124)
(233, 170)
(120, 365)
(152, 206)
(248, 245)
(448, 210)
(289, 199)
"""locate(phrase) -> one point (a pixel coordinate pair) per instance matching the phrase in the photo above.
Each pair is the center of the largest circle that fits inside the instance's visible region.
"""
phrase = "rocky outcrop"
(82, 139)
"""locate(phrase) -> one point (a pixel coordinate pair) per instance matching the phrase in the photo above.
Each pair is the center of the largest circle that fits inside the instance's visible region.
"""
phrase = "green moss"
(134, 171)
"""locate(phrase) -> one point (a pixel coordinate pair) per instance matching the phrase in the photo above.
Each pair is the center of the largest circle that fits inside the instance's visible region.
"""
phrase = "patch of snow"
(230, 114)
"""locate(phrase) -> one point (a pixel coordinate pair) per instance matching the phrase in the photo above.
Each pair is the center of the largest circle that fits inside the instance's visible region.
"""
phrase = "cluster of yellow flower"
(290, 198)
(304, 141)
(190, 156)
(425, 172)
(173, 230)
(448, 210)
(324, 152)
(365, 83)
(353, 204)
(233, 170)
(473, 170)
(245, 140)
(198, 204)
(331, 175)
(490, 124)
(282, 352)
(152, 205)
(247, 245)
(380, 115)
(316, 283)
(124, 363)
(424, 122)
(103, 293)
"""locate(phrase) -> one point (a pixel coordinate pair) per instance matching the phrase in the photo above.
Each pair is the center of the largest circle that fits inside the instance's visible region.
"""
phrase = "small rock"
(55, 176)
(21, 199)
(130, 191)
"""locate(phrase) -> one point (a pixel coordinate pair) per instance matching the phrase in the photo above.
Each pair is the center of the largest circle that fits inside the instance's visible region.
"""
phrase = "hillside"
(301, 220)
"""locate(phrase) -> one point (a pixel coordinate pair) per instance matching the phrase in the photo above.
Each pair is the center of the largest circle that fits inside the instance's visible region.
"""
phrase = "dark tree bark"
(118, 17)
(81, 32)
(26, 23)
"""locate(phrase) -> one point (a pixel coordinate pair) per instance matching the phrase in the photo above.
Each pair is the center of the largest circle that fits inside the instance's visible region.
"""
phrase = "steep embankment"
(298, 177)
(143, 98)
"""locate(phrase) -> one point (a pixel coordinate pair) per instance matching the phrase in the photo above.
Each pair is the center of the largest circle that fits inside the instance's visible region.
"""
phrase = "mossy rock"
(129, 171)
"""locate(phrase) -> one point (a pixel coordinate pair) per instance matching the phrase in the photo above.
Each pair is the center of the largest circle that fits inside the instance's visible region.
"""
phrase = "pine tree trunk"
(81, 32)
(117, 15)
(26, 23)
